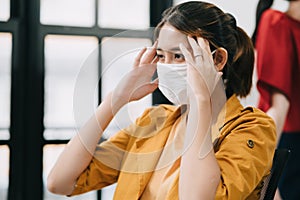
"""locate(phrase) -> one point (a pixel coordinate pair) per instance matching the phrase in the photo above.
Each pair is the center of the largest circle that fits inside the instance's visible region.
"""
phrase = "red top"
(278, 63)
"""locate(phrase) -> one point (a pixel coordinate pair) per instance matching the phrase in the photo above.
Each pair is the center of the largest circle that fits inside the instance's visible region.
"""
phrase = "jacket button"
(250, 143)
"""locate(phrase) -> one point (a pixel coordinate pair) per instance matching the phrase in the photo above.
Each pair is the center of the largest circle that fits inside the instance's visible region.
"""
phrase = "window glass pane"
(59, 133)
(133, 14)
(4, 134)
(117, 59)
(4, 171)
(5, 83)
(4, 10)
(68, 12)
(107, 193)
(66, 58)
(51, 153)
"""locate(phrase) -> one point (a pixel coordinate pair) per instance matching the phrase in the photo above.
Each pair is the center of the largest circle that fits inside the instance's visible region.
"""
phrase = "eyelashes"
(175, 56)
(179, 56)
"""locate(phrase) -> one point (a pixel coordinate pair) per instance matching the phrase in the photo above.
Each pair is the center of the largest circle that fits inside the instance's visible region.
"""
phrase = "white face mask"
(173, 82)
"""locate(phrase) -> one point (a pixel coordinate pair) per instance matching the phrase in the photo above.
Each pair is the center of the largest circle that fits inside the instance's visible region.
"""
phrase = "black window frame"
(26, 129)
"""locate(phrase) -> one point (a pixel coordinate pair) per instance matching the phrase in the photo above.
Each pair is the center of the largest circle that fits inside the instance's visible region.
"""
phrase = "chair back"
(271, 182)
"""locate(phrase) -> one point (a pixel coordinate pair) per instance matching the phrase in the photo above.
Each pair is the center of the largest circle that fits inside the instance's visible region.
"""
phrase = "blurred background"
(58, 59)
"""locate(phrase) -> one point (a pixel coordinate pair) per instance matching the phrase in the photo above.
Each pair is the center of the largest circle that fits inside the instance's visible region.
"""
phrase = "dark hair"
(261, 7)
(205, 20)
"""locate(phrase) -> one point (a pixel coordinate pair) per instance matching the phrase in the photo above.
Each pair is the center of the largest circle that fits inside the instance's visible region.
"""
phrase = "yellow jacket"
(244, 144)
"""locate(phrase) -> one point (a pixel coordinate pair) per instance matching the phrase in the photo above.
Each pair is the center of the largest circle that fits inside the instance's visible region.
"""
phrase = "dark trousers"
(289, 184)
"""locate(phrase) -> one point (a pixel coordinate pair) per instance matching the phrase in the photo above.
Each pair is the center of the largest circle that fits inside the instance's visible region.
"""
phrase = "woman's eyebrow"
(176, 49)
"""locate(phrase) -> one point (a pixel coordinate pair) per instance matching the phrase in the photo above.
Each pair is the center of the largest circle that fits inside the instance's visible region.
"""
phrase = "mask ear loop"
(212, 54)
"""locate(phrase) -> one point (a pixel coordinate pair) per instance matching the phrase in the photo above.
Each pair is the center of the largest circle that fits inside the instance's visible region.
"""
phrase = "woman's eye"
(179, 56)
(160, 56)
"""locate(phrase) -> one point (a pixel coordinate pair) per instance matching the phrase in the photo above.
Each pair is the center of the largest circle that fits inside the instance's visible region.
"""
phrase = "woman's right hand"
(203, 76)
(137, 83)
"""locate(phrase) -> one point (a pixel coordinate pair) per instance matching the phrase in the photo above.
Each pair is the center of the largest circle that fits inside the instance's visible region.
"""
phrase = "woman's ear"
(220, 58)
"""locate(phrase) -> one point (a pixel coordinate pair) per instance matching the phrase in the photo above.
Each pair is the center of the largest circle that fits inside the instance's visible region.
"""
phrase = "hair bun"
(231, 20)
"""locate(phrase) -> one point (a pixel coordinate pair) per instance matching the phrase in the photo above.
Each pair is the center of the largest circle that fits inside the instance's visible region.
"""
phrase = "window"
(117, 59)
(54, 73)
(4, 170)
(66, 57)
(133, 14)
(4, 10)
(5, 84)
(68, 12)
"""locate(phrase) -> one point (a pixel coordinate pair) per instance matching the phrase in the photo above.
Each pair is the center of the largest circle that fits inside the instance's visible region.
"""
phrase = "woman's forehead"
(170, 38)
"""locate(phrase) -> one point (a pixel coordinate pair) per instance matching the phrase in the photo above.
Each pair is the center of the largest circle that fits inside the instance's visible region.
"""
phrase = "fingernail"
(190, 38)
(201, 42)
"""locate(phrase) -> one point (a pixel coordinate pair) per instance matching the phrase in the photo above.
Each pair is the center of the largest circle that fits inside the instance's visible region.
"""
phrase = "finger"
(137, 59)
(150, 54)
(151, 87)
(155, 81)
(204, 44)
(197, 50)
(148, 69)
(154, 84)
(187, 55)
(155, 60)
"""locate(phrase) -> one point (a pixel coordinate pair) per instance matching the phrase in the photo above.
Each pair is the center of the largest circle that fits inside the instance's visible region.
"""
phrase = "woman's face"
(168, 50)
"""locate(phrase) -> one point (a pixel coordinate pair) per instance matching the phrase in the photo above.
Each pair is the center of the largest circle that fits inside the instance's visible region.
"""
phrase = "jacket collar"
(230, 111)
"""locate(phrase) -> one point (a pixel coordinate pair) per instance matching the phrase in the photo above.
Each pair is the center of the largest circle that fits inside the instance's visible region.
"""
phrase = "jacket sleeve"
(245, 155)
(103, 168)
(105, 165)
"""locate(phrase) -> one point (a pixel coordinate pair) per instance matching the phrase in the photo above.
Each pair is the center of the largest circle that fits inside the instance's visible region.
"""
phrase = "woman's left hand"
(202, 74)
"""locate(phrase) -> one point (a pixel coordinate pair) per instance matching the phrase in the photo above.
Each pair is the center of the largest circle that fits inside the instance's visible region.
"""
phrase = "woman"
(170, 152)
(277, 41)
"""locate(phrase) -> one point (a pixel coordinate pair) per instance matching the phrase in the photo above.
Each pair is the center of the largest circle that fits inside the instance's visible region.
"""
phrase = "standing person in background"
(277, 41)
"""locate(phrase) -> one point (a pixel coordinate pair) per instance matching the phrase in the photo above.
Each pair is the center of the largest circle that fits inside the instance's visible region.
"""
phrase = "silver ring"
(197, 55)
